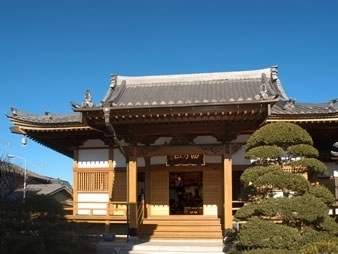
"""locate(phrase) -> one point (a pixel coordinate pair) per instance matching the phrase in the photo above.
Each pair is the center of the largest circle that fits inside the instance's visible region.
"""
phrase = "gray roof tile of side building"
(291, 107)
(46, 189)
(201, 88)
(47, 117)
(39, 189)
(38, 184)
(49, 180)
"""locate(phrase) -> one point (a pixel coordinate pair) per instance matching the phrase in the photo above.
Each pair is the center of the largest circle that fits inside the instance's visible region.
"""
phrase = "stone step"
(183, 218)
(181, 227)
(182, 222)
(171, 246)
(182, 235)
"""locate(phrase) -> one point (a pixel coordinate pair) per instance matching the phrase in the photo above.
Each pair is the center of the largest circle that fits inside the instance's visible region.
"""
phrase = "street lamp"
(25, 173)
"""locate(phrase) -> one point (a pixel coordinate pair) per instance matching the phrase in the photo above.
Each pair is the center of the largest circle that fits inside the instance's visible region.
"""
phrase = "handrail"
(106, 209)
(103, 211)
(140, 212)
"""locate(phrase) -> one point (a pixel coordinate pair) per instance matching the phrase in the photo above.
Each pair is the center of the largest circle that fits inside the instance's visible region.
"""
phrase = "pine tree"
(283, 209)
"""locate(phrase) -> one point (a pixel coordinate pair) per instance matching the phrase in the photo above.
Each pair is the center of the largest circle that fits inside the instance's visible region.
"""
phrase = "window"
(93, 181)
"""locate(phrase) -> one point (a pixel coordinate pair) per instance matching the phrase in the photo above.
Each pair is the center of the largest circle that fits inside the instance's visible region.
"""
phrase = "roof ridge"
(235, 75)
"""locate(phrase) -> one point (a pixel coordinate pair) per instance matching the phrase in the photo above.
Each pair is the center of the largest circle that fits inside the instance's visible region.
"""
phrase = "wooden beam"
(207, 149)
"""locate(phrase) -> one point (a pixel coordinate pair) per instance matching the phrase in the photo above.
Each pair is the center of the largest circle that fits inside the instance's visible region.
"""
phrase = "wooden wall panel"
(160, 187)
(120, 186)
(212, 192)
(159, 192)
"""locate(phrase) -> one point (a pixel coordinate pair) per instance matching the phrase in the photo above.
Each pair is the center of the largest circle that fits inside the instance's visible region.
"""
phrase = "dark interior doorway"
(186, 193)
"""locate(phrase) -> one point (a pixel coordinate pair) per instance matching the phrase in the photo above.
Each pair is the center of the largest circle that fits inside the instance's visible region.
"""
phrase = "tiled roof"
(46, 118)
(36, 184)
(291, 107)
(46, 189)
(39, 189)
(195, 89)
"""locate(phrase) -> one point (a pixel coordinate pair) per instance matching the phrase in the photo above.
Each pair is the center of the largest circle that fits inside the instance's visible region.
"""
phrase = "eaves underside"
(188, 116)
(303, 118)
(177, 114)
(22, 128)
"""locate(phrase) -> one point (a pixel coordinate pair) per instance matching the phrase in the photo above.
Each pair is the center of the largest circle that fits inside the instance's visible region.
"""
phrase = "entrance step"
(181, 227)
(164, 246)
(179, 246)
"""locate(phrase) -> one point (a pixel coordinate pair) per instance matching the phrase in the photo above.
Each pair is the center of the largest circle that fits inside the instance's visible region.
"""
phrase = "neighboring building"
(179, 140)
(12, 184)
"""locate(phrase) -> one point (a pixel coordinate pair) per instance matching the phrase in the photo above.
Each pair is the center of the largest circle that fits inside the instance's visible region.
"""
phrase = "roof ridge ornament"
(263, 91)
(333, 103)
(113, 81)
(87, 102)
(48, 114)
(290, 104)
(274, 71)
(14, 111)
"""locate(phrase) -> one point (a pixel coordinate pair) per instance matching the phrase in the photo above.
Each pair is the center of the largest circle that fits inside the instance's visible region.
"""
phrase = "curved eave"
(63, 142)
(214, 111)
(24, 128)
(323, 128)
(60, 137)
(51, 121)
(24, 121)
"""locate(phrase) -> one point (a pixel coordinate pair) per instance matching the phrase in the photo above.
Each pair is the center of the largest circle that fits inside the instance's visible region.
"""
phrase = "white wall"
(95, 202)
(237, 158)
(93, 143)
(93, 158)
(119, 159)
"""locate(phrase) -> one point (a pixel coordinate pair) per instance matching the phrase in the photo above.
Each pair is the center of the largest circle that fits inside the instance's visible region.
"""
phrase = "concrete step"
(181, 227)
(177, 247)
(163, 246)
(182, 222)
(182, 235)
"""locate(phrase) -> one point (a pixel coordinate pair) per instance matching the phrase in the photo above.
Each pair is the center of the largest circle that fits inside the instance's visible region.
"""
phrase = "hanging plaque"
(185, 160)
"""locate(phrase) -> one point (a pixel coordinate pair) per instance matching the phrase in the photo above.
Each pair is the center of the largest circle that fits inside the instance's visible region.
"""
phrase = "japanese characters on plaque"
(185, 160)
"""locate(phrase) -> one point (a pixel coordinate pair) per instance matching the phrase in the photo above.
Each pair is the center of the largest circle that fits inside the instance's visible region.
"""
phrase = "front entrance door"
(186, 193)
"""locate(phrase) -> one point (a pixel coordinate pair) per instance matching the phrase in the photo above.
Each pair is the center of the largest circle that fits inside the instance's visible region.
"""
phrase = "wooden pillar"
(227, 183)
(132, 195)
(147, 187)
(75, 181)
(111, 175)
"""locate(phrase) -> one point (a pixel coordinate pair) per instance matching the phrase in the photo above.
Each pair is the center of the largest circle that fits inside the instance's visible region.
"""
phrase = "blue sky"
(52, 51)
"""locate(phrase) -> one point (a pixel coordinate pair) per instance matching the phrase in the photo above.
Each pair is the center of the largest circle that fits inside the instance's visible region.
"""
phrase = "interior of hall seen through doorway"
(186, 193)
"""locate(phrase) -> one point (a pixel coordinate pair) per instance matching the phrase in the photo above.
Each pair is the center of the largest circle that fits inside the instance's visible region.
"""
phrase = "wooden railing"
(111, 211)
(115, 212)
(236, 205)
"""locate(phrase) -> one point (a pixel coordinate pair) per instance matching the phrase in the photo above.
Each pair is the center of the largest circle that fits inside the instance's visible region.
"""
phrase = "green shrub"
(261, 251)
(324, 247)
(258, 233)
(323, 193)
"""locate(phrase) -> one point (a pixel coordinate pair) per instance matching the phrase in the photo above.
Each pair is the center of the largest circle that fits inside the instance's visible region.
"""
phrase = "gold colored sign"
(185, 160)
